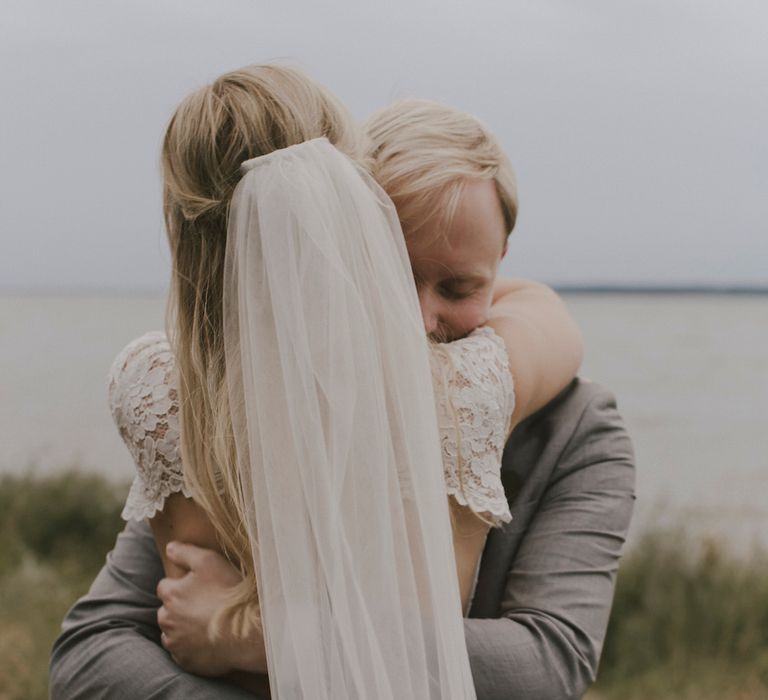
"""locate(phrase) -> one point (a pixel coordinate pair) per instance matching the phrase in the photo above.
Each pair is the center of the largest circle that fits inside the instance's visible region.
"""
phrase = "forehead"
(474, 240)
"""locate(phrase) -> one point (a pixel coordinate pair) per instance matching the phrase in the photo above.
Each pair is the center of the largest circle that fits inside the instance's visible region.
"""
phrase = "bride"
(299, 389)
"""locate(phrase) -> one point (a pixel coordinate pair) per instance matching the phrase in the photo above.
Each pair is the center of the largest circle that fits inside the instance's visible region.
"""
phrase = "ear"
(506, 246)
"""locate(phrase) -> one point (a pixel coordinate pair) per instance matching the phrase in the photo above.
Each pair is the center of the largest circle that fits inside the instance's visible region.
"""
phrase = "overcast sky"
(637, 128)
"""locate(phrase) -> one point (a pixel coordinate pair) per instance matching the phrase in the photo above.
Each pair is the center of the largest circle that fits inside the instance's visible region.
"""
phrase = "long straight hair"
(243, 114)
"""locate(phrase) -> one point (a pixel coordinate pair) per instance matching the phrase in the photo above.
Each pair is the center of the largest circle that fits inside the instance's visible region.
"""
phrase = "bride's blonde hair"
(244, 114)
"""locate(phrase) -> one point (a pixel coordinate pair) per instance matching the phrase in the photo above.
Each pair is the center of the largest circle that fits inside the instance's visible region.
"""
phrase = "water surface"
(690, 374)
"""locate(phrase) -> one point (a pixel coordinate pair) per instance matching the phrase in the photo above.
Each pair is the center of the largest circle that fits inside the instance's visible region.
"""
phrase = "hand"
(189, 604)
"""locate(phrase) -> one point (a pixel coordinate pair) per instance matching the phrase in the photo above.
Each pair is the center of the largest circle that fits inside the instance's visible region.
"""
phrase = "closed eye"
(457, 292)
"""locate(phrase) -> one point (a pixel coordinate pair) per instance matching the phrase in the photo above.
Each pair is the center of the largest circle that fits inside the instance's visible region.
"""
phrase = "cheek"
(467, 315)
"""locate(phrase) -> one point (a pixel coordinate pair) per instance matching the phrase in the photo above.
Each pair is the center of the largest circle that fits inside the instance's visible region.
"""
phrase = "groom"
(544, 591)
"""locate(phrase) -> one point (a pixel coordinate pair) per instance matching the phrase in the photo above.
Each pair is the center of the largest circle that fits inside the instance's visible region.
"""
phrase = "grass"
(689, 622)
(54, 533)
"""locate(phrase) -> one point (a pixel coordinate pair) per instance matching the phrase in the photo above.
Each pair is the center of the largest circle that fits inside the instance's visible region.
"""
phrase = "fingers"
(168, 645)
(206, 564)
(187, 556)
(163, 621)
(163, 618)
(165, 589)
(168, 635)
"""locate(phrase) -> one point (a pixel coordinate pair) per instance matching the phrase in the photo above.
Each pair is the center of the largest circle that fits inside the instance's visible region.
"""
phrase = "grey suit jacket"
(542, 601)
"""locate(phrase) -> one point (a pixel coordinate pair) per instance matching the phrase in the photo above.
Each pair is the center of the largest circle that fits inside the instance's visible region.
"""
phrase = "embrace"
(366, 468)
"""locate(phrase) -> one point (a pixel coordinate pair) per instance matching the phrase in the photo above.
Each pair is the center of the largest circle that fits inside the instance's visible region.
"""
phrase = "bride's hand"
(189, 604)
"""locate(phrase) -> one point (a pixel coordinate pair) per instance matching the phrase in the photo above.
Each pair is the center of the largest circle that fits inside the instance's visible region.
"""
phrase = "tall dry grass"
(689, 621)
(54, 534)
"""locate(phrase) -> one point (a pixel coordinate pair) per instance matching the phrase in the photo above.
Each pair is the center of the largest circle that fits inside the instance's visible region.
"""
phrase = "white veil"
(334, 420)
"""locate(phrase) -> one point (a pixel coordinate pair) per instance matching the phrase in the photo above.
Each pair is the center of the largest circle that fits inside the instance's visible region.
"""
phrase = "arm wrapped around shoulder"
(109, 647)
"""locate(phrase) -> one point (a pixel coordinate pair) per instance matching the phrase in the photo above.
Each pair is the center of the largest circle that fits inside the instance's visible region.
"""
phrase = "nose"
(430, 310)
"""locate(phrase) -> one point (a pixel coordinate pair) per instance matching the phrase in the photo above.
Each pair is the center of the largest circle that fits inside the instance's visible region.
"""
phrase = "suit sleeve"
(559, 588)
(109, 646)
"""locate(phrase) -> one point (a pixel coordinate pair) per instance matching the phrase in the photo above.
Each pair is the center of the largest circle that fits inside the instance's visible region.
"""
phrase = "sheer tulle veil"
(337, 443)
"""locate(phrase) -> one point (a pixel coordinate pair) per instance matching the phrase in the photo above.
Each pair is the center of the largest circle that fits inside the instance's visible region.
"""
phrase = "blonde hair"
(422, 153)
(243, 114)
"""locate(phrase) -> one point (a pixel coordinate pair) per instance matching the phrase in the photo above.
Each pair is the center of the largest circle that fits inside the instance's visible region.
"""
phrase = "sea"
(690, 373)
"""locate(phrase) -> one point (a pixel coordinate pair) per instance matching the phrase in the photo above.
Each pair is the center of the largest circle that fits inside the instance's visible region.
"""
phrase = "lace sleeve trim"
(475, 399)
(473, 392)
(144, 403)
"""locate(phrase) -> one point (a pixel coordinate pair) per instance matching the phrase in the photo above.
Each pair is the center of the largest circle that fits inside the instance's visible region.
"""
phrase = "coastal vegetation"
(54, 534)
(689, 620)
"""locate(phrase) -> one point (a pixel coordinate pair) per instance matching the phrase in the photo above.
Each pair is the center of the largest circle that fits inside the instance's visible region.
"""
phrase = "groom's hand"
(189, 604)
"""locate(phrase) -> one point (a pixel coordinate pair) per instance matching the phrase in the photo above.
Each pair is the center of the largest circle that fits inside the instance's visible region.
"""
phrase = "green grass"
(54, 533)
(689, 622)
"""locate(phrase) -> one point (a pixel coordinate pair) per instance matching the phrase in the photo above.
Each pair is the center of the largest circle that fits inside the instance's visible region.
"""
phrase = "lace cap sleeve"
(144, 402)
(475, 399)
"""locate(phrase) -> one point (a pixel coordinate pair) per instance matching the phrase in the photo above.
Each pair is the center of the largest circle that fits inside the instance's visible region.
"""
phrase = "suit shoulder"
(579, 397)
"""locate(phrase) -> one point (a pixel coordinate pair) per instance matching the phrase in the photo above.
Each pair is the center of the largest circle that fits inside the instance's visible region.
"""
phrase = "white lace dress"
(473, 393)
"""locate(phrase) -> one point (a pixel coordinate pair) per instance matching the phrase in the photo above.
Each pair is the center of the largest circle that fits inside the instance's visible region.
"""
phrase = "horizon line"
(565, 288)
(661, 289)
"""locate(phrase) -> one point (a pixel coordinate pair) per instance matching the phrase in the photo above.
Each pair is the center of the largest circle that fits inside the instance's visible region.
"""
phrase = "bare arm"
(469, 535)
(181, 520)
(109, 646)
(197, 584)
(544, 344)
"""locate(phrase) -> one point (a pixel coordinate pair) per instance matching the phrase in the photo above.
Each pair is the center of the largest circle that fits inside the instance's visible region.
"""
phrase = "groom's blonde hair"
(422, 153)
(241, 115)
